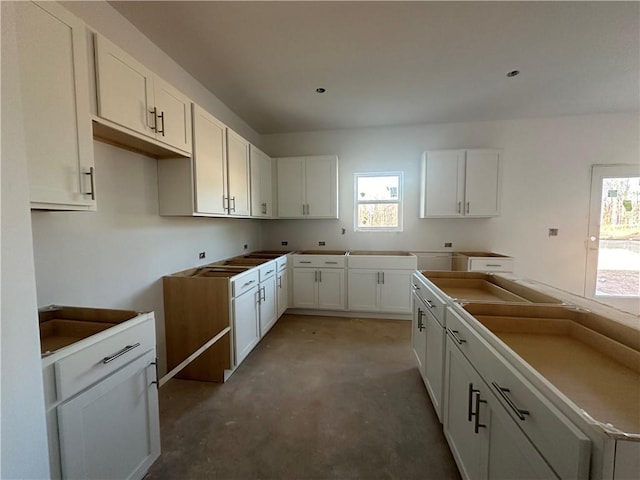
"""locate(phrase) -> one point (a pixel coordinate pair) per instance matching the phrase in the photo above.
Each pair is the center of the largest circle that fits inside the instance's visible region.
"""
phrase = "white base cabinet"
(322, 288)
(246, 321)
(282, 285)
(379, 291)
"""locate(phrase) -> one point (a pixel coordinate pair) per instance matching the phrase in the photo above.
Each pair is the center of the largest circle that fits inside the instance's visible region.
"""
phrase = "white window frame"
(398, 201)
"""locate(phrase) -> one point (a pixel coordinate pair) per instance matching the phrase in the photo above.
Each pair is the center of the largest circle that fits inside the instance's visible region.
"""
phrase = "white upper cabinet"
(131, 96)
(308, 187)
(239, 196)
(54, 81)
(209, 162)
(460, 183)
(261, 183)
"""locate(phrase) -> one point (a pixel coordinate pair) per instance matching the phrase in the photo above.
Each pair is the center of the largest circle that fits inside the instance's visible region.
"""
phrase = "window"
(378, 202)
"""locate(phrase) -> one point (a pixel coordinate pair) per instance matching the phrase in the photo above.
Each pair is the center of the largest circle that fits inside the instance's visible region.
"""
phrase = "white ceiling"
(399, 63)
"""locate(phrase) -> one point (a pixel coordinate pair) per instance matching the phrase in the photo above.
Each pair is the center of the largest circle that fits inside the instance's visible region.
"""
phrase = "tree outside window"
(378, 202)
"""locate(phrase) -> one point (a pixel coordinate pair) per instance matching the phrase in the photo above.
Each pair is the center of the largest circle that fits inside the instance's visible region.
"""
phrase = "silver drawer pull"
(304, 261)
(493, 265)
(269, 271)
(430, 303)
(119, 353)
(456, 337)
(520, 412)
(331, 263)
(248, 283)
(415, 286)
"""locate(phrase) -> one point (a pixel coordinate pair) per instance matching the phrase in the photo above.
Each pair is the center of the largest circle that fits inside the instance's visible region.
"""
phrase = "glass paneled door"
(613, 255)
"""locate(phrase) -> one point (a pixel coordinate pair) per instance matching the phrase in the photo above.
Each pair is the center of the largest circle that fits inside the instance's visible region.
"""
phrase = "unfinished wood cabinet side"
(196, 310)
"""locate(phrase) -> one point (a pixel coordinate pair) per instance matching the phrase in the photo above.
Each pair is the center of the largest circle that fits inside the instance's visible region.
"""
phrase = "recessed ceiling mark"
(321, 90)
(513, 73)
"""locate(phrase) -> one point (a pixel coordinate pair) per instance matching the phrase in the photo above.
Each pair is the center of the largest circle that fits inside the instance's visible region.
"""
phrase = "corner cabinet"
(308, 187)
(52, 49)
(460, 183)
(131, 96)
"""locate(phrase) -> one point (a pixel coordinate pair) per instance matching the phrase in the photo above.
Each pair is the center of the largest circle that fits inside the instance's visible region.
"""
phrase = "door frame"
(598, 173)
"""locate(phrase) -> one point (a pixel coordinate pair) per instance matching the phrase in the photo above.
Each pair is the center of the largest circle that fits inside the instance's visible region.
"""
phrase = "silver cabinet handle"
(225, 203)
(119, 353)
(502, 391)
(382, 278)
(331, 263)
(459, 207)
(415, 286)
(161, 117)
(477, 425)
(468, 203)
(154, 112)
(305, 261)
(91, 174)
(264, 208)
(456, 337)
(315, 276)
(420, 324)
(269, 271)
(430, 303)
(319, 276)
(470, 402)
(264, 294)
(280, 282)
(248, 283)
(493, 265)
(156, 382)
(304, 210)
(232, 199)
(377, 278)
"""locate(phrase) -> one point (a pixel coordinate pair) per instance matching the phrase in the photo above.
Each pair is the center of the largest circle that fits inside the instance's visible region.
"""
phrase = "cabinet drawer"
(268, 270)
(282, 263)
(490, 265)
(561, 443)
(247, 281)
(320, 261)
(85, 367)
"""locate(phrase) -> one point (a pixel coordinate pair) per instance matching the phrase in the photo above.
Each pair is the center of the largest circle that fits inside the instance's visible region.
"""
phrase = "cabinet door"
(268, 305)
(434, 360)
(363, 290)
(283, 291)
(238, 174)
(173, 115)
(321, 187)
(418, 335)
(331, 289)
(509, 453)
(482, 183)
(261, 184)
(395, 291)
(55, 100)
(112, 429)
(305, 291)
(246, 323)
(460, 383)
(442, 184)
(291, 178)
(124, 87)
(210, 162)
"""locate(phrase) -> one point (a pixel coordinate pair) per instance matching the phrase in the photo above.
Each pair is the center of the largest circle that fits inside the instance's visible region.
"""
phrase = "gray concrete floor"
(318, 398)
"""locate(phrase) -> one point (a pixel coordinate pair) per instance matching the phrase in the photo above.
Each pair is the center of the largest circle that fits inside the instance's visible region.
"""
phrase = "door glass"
(618, 270)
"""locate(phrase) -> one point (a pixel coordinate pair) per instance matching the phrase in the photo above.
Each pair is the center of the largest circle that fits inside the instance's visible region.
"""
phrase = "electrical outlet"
(553, 232)
(202, 255)
(284, 243)
(344, 230)
(246, 246)
(448, 244)
(322, 244)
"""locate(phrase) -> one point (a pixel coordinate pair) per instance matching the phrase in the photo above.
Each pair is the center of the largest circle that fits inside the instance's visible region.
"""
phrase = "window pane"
(377, 215)
(377, 188)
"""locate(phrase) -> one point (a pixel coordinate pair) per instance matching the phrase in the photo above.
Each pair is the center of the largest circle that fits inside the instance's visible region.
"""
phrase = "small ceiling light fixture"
(513, 73)
(321, 90)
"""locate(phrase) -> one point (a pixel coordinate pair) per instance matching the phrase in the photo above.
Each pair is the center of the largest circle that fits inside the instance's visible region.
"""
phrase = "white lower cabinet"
(267, 297)
(485, 441)
(282, 290)
(246, 322)
(111, 430)
(321, 288)
(380, 291)
(419, 335)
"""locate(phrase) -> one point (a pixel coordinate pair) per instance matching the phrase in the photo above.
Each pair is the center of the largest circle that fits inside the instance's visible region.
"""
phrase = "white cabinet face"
(268, 305)
(320, 186)
(331, 289)
(261, 184)
(291, 178)
(238, 174)
(418, 335)
(395, 291)
(443, 176)
(125, 88)
(210, 162)
(482, 183)
(246, 321)
(172, 119)
(363, 290)
(305, 292)
(434, 360)
(283, 291)
(55, 102)
(112, 429)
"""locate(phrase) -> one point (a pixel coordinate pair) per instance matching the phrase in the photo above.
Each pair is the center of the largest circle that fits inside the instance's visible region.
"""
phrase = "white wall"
(546, 183)
(116, 257)
(23, 441)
